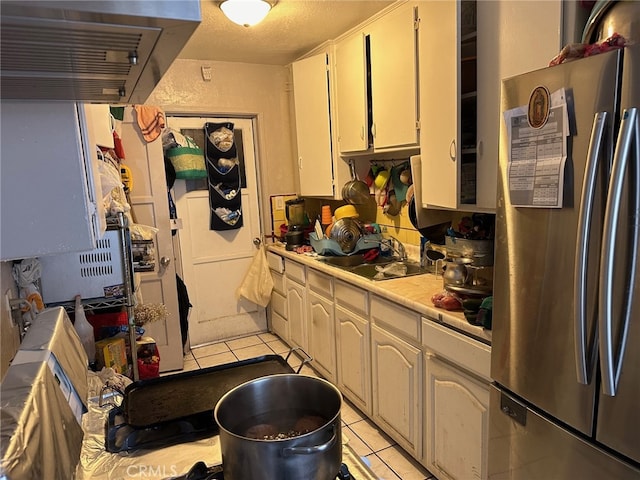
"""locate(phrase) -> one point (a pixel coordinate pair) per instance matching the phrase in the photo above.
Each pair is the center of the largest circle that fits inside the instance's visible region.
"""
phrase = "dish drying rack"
(329, 247)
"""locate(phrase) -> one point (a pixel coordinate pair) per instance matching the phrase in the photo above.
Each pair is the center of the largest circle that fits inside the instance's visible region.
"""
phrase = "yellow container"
(346, 211)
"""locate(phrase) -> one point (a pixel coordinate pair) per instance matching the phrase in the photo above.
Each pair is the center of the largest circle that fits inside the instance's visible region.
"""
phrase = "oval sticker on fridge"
(539, 106)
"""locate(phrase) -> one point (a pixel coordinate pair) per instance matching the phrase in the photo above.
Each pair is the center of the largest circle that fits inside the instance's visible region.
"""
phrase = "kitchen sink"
(393, 268)
(356, 260)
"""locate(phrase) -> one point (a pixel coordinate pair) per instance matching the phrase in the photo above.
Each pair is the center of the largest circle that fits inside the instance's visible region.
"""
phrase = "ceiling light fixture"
(246, 12)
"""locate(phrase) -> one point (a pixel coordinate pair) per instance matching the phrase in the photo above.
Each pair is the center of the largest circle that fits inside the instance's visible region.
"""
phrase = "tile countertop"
(413, 292)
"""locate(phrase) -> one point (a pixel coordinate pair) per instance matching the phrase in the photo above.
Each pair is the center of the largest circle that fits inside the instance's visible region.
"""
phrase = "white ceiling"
(291, 29)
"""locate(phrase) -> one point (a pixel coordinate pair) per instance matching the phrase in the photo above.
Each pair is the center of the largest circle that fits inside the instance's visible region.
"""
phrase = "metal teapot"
(456, 272)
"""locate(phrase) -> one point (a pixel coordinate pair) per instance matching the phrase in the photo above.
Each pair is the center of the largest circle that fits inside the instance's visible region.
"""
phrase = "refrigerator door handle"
(611, 367)
(584, 353)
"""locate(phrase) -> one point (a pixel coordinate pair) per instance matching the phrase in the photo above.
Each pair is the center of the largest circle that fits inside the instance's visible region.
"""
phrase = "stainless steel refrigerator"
(565, 357)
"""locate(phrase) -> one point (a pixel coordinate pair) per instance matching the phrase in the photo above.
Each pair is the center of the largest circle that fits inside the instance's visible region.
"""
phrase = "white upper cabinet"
(466, 49)
(500, 58)
(394, 78)
(313, 126)
(376, 78)
(50, 197)
(440, 104)
(351, 92)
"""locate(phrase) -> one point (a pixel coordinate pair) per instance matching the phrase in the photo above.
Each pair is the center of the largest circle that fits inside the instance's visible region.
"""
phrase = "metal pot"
(355, 192)
(456, 271)
(346, 232)
(280, 401)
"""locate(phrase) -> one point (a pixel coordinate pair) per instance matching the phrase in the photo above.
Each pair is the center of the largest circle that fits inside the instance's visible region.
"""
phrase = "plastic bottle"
(85, 331)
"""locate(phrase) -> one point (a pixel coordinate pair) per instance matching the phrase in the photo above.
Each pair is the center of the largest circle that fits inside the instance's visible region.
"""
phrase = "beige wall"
(240, 89)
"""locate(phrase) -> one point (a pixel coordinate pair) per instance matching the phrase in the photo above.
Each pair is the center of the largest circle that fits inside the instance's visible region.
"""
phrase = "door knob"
(257, 241)
(164, 262)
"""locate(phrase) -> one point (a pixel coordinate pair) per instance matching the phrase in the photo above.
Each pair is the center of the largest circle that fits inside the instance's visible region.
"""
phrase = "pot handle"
(304, 362)
(289, 451)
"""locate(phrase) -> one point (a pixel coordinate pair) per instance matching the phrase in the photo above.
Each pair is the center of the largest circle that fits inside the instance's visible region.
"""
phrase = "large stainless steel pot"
(280, 401)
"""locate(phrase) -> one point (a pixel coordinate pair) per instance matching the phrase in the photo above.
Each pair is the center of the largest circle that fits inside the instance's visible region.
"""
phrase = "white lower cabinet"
(278, 315)
(279, 322)
(296, 294)
(424, 384)
(397, 380)
(353, 345)
(296, 303)
(321, 323)
(456, 404)
(322, 346)
(457, 418)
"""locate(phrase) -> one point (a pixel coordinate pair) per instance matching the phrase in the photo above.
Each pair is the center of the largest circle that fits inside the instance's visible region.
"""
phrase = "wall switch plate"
(207, 74)
(280, 203)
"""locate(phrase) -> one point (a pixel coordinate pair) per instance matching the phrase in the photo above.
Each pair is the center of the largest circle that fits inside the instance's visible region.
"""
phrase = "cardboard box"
(112, 352)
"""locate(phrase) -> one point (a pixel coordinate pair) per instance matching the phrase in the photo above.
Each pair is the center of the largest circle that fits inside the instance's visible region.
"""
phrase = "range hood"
(106, 52)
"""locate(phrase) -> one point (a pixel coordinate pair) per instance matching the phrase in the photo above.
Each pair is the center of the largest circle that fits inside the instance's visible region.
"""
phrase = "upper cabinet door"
(351, 89)
(499, 58)
(394, 78)
(440, 104)
(311, 99)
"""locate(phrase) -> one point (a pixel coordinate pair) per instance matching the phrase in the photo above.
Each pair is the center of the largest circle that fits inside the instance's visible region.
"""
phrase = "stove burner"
(121, 436)
(200, 471)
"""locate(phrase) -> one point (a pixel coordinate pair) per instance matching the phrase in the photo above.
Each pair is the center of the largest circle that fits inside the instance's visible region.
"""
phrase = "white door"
(214, 262)
(149, 203)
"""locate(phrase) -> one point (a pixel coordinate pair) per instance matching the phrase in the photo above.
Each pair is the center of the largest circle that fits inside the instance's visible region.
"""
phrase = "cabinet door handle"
(299, 163)
(362, 132)
(373, 129)
(479, 146)
(452, 150)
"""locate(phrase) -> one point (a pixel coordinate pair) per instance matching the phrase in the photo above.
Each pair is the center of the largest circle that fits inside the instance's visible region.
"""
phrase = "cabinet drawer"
(276, 262)
(278, 282)
(295, 271)
(279, 304)
(466, 352)
(321, 283)
(396, 318)
(280, 326)
(352, 298)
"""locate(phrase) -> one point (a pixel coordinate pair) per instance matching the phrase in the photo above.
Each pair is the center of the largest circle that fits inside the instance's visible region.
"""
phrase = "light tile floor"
(388, 460)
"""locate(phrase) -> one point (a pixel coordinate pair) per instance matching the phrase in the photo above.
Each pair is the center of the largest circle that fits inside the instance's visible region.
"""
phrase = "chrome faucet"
(392, 243)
